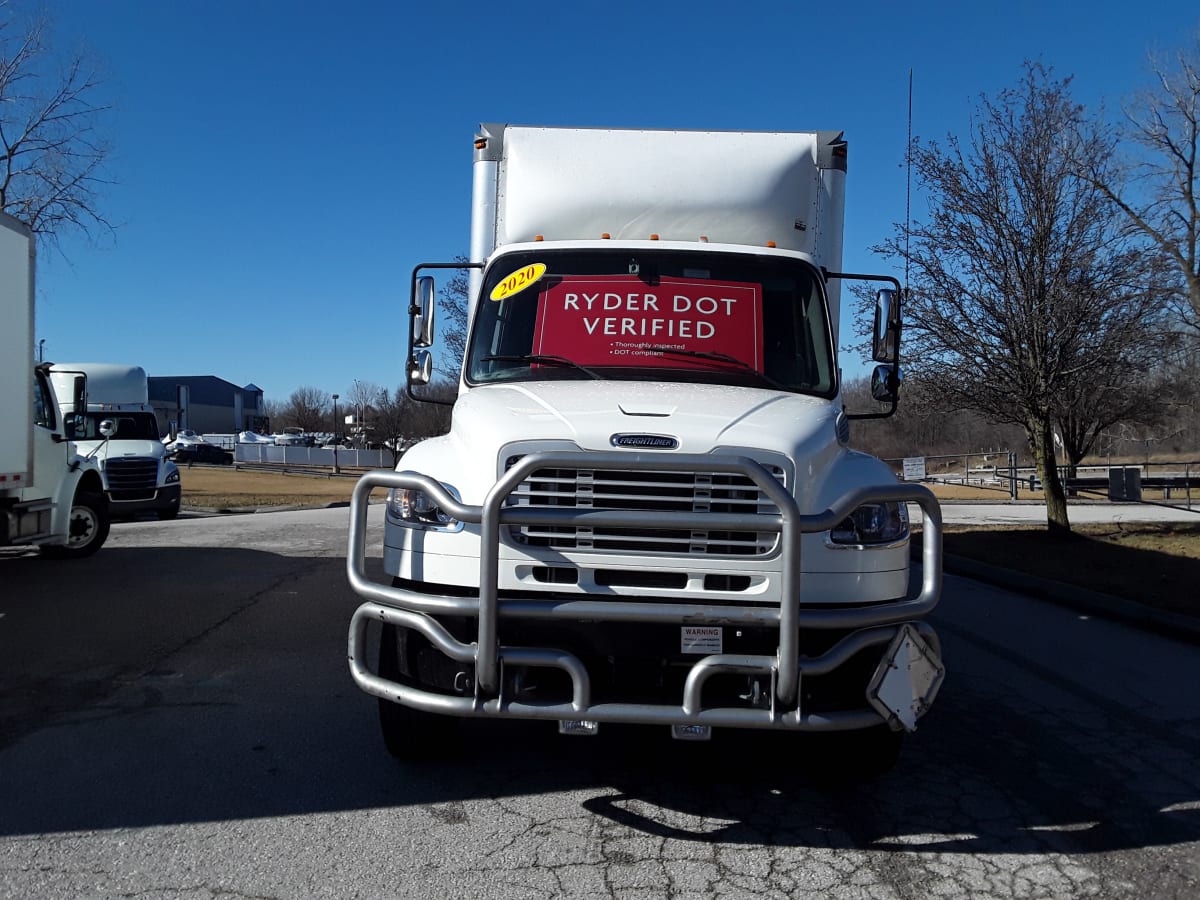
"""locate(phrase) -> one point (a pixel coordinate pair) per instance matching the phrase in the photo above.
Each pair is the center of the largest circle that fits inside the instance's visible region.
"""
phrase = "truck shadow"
(125, 705)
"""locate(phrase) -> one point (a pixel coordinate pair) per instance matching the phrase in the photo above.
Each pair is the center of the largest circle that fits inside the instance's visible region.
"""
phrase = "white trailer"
(50, 495)
(647, 509)
(138, 477)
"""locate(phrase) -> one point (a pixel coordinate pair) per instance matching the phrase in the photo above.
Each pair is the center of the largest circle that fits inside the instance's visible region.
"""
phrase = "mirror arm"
(895, 364)
(852, 277)
(888, 413)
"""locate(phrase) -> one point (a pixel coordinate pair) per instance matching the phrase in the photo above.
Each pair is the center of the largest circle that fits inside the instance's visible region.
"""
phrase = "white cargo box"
(16, 354)
(729, 187)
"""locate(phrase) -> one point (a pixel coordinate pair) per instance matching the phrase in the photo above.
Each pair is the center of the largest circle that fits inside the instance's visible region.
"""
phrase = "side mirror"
(108, 427)
(79, 394)
(885, 384)
(885, 345)
(422, 311)
(420, 367)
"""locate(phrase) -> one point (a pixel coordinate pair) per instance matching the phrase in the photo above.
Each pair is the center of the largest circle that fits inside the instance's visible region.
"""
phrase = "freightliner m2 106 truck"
(646, 509)
(138, 477)
(50, 494)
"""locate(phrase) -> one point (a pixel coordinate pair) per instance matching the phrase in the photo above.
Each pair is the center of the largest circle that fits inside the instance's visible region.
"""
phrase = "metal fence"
(1175, 482)
(270, 454)
(994, 470)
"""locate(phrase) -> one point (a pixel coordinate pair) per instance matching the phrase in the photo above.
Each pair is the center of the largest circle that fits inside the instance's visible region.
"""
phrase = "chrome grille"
(615, 489)
(132, 478)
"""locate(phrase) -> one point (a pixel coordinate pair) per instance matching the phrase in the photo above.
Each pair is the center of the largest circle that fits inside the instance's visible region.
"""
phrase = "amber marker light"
(538, 237)
(771, 244)
(654, 237)
(605, 236)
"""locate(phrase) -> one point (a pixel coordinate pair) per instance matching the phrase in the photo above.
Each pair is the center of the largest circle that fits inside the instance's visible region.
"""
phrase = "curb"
(1170, 624)
(248, 510)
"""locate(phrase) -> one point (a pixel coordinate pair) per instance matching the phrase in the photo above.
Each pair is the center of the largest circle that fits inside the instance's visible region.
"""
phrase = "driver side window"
(43, 409)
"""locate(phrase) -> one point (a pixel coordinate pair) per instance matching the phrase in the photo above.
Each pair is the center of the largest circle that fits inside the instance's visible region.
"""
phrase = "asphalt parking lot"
(177, 720)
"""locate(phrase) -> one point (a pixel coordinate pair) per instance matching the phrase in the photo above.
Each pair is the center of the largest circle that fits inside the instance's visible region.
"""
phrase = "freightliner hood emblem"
(645, 441)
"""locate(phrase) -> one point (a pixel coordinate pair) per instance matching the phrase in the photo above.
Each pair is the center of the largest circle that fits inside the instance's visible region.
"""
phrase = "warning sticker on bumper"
(700, 639)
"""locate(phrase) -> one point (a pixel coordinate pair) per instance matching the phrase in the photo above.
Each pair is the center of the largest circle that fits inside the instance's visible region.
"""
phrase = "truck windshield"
(131, 426)
(653, 315)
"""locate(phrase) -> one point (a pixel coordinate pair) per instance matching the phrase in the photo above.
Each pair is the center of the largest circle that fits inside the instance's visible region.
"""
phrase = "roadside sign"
(914, 468)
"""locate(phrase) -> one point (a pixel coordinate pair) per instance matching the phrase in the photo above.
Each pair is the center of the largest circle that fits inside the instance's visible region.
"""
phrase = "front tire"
(87, 528)
(410, 734)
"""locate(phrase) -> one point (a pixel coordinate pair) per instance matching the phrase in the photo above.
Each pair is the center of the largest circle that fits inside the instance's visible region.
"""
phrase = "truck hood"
(118, 449)
(699, 416)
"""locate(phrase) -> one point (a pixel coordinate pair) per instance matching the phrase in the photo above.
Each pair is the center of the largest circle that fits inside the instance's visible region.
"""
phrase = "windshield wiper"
(723, 358)
(545, 359)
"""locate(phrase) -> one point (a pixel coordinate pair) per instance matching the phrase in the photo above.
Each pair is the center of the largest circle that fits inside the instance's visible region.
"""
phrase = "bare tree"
(401, 421)
(363, 401)
(925, 424)
(389, 427)
(429, 419)
(308, 408)
(275, 412)
(51, 153)
(1023, 285)
(1158, 189)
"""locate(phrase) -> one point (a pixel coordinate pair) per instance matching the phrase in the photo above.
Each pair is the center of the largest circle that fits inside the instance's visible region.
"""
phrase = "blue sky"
(279, 168)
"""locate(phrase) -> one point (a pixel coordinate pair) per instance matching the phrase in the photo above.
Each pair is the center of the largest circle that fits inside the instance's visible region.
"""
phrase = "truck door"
(50, 446)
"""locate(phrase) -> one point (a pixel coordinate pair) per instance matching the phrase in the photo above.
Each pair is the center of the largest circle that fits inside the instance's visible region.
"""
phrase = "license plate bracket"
(907, 679)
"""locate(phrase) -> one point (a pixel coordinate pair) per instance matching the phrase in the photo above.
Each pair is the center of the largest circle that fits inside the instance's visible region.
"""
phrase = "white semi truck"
(137, 476)
(51, 495)
(646, 509)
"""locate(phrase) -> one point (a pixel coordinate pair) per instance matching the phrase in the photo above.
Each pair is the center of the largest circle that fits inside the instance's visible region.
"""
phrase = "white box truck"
(138, 477)
(646, 509)
(50, 495)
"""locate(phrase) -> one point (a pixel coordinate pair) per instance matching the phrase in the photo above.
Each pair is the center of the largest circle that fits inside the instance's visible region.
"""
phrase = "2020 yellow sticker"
(518, 281)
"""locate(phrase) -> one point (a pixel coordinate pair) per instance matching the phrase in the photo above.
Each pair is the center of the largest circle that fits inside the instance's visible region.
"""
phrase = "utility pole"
(336, 470)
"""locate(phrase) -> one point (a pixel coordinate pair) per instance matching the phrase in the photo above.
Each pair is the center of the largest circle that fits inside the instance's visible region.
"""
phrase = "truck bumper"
(164, 499)
(898, 686)
(884, 654)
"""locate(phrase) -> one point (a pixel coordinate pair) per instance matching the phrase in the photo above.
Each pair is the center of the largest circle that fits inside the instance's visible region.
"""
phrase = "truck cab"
(136, 474)
(57, 502)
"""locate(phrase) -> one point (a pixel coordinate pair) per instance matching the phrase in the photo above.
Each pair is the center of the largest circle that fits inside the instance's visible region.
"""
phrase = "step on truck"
(137, 476)
(647, 509)
(51, 495)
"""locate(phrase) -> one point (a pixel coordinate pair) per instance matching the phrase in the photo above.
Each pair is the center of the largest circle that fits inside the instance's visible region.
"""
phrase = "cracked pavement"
(176, 721)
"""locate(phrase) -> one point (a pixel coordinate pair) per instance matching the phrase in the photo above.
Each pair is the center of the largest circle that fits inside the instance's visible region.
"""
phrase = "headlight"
(873, 523)
(419, 510)
(172, 474)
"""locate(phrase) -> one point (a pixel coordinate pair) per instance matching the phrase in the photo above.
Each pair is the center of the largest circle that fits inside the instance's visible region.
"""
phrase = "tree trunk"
(1041, 439)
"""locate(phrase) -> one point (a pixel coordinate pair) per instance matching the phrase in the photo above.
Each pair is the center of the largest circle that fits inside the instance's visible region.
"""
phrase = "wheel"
(87, 528)
(410, 734)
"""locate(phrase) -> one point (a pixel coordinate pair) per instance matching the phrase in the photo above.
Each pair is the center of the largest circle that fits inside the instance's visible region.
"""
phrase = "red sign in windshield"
(620, 320)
